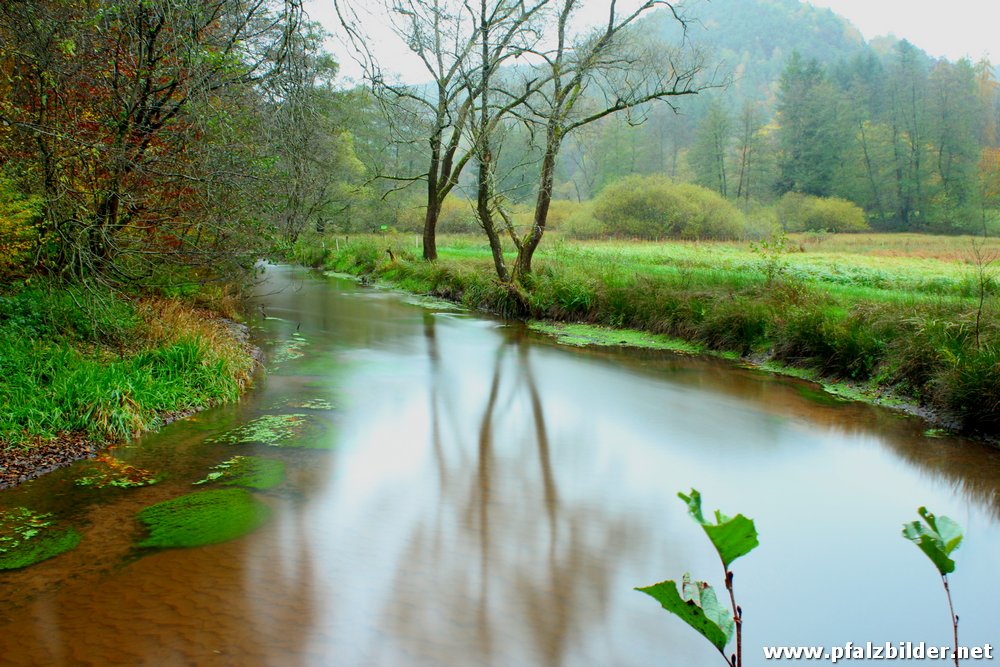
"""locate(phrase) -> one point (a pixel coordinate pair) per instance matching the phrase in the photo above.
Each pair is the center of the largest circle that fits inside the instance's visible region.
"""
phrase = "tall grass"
(894, 335)
(80, 361)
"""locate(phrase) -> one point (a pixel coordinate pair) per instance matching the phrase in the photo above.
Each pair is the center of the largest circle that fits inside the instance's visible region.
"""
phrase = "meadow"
(907, 316)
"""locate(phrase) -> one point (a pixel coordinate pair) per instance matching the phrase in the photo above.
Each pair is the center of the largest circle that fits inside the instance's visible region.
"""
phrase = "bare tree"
(317, 171)
(442, 35)
(614, 69)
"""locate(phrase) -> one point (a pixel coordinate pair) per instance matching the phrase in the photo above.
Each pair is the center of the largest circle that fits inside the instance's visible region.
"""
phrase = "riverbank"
(81, 370)
(899, 330)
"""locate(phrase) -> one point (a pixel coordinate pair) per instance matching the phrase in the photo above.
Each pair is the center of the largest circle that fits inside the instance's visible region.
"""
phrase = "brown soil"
(19, 464)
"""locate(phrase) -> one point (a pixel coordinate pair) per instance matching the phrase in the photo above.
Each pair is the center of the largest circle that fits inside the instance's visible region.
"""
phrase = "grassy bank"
(98, 367)
(896, 314)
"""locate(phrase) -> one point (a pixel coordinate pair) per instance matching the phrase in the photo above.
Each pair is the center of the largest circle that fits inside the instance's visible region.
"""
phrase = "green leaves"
(697, 605)
(732, 537)
(696, 602)
(937, 537)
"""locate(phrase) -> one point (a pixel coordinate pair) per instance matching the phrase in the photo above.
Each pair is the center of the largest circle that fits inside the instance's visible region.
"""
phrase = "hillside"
(754, 38)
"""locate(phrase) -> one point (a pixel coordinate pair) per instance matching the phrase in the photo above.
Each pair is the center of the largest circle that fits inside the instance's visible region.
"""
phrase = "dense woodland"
(137, 136)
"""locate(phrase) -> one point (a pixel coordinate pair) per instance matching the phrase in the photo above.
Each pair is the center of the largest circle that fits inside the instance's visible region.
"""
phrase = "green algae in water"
(27, 537)
(249, 471)
(290, 349)
(312, 404)
(111, 472)
(433, 303)
(819, 397)
(205, 517)
(581, 335)
(271, 430)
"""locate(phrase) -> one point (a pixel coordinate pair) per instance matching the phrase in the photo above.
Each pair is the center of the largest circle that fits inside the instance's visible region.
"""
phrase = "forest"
(126, 138)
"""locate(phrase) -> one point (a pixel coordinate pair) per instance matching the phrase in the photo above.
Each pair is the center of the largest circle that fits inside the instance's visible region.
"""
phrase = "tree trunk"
(433, 199)
(430, 230)
(522, 268)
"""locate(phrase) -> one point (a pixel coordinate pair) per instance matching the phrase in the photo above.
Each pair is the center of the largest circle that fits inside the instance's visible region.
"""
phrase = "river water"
(475, 494)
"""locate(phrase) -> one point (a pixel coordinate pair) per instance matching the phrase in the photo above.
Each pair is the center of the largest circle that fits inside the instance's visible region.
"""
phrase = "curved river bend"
(474, 494)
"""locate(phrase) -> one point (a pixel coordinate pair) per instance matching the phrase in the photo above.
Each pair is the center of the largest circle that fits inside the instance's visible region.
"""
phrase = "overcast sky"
(950, 28)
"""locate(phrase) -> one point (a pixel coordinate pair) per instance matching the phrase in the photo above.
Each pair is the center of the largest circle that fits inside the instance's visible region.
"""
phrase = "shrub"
(798, 212)
(654, 207)
(19, 216)
(581, 224)
(457, 216)
(560, 211)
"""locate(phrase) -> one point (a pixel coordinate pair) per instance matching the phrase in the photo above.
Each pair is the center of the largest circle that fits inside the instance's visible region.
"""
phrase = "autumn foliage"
(128, 125)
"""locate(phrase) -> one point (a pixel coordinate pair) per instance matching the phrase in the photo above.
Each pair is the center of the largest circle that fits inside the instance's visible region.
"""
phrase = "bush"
(581, 224)
(798, 213)
(19, 217)
(654, 207)
(458, 216)
(561, 211)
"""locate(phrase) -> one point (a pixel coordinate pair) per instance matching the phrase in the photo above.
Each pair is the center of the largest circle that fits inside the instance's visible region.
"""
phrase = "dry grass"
(920, 246)
(169, 321)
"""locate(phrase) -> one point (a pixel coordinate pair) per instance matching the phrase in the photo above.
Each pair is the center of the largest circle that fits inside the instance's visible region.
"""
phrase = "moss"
(582, 335)
(206, 517)
(107, 471)
(248, 471)
(27, 537)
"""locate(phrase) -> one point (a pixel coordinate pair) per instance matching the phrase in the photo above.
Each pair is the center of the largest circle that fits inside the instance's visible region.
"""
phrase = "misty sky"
(952, 28)
(949, 28)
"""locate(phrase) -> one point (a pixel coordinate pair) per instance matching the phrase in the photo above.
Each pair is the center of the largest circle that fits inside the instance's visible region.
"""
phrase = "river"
(472, 493)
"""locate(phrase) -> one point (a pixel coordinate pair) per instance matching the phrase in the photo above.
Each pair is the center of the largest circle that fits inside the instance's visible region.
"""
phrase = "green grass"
(893, 313)
(97, 363)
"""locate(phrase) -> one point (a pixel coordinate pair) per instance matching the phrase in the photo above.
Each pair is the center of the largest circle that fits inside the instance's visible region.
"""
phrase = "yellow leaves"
(989, 175)
(18, 228)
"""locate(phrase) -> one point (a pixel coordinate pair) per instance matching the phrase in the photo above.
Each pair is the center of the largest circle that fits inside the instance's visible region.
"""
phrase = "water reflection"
(489, 498)
(512, 563)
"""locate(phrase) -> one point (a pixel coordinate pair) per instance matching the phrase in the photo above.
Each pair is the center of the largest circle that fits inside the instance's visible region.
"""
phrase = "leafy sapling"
(937, 537)
(696, 602)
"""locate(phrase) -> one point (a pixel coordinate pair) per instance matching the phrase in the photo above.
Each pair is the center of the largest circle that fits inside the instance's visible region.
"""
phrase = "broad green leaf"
(937, 537)
(697, 605)
(732, 537)
(949, 531)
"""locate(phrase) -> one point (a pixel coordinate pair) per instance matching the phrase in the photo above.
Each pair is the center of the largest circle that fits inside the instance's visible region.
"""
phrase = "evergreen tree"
(809, 137)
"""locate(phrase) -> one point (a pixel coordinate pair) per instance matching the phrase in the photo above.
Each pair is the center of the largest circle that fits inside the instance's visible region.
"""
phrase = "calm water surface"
(478, 495)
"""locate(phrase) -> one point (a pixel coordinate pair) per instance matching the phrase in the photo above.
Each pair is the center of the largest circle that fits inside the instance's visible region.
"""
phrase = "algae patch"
(271, 430)
(819, 397)
(27, 537)
(312, 404)
(109, 471)
(249, 471)
(433, 303)
(205, 517)
(290, 349)
(581, 335)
